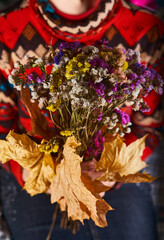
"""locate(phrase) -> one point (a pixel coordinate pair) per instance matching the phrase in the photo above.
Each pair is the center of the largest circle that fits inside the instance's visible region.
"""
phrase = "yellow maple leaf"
(121, 162)
(75, 193)
(26, 152)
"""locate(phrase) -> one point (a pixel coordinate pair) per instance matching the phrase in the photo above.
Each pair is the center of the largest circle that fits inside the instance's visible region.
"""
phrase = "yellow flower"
(59, 82)
(87, 67)
(51, 88)
(125, 65)
(80, 64)
(44, 141)
(66, 133)
(55, 148)
(51, 107)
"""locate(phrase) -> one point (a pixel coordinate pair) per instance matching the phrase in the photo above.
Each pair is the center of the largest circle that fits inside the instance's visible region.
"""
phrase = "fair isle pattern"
(135, 8)
(80, 27)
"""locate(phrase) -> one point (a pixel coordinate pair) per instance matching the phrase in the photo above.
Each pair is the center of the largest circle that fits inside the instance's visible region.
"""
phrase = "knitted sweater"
(29, 27)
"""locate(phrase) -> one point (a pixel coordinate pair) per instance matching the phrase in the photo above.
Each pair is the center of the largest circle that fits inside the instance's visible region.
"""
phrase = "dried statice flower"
(85, 86)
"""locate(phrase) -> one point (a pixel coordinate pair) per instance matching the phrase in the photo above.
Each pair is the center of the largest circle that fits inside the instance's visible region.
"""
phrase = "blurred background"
(6, 3)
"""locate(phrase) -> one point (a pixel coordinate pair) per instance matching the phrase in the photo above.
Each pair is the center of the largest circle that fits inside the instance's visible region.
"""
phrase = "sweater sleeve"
(8, 107)
(151, 122)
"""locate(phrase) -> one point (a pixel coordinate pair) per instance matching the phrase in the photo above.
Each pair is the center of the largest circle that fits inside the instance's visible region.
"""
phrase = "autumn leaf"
(39, 125)
(122, 163)
(26, 152)
(75, 193)
(131, 178)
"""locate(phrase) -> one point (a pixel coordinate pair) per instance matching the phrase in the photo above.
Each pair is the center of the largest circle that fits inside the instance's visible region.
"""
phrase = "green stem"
(54, 121)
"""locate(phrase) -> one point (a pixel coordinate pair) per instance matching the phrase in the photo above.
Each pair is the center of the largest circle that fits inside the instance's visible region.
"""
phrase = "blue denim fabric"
(29, 218)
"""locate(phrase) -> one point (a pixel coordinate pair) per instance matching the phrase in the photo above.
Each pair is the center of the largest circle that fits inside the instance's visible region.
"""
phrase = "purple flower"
(100, 117)
(142, 79)
(30, 77)
(110, 99)
(132, 86)
(75, 45)
(71, 46)
(98, 62)
(123, 116)
(159, 90)
(124, 50)
(147, 73)
(97, 144)
(114, 89)
(101, 42)
(99, 87)
(133, 76)
(58, 57)
(102, 139)
(150, 88)
(137, 66)
(40, 79)
(63, 45)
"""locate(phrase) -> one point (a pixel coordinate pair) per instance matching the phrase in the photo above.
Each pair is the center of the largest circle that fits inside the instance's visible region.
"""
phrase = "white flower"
(26, 57)
(34, 95)
(98, 80)
(39, 61)
(114, 116)
(105, 72)
(94, 71)
(112, 124)
(73, 80)
(106, 120)
(138, 56)
(66, 59)
(128, 124)
(127, 130)
(110, 93)
(16, 64)
(85, 91)
(11, 80)
(55, 67)
(42, 100)
(112, 79)
(130, 52)
(102, 102)
(122, 134)
(136, 106)
(136, 91)
(52, 94)
(85, 103)
(95, 50)
(18, 87)
(14, 71)
(46, 85)
(31, 87)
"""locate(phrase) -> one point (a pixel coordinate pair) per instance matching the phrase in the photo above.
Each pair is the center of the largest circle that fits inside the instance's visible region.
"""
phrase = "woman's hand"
(86, 167)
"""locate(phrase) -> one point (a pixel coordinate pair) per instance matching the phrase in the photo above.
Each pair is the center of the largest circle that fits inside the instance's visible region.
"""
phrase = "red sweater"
(28, 28)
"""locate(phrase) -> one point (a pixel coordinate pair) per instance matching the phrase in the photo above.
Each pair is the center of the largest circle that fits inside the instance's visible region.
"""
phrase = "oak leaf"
(26, 152)
(76, 193)
(122, 163)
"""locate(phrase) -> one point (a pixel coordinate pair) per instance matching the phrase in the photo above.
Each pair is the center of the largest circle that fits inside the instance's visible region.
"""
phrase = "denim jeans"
(29, 218)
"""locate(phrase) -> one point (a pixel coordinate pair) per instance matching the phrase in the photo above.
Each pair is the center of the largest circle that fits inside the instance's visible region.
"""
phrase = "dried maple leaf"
(75, 193)
(121, 162)
(131, 178)
(39, 125)
(26, 152)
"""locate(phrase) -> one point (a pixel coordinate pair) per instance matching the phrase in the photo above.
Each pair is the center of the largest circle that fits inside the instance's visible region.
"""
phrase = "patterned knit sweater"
(29, 27)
